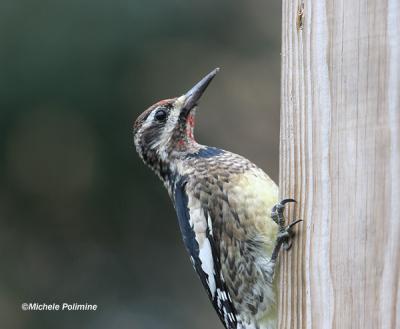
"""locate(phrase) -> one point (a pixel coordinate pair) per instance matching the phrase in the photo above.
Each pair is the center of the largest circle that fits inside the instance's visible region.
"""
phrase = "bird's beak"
(193, 95)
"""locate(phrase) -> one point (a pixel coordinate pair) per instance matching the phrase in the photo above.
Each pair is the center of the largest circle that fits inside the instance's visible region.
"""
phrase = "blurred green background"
(81, 218)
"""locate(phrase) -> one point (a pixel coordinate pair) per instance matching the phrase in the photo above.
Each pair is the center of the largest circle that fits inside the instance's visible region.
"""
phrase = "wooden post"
(340, 158)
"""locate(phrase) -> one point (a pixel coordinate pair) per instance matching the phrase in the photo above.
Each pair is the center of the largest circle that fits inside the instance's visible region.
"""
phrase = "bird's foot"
(285, 232)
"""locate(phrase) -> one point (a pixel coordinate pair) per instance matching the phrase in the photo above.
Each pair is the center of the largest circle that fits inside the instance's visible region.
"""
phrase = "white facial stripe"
(149, 120)
(167, 131)
(145, 125)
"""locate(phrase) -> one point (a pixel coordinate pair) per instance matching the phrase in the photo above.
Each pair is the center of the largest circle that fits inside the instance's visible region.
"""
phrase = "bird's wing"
(196, 229)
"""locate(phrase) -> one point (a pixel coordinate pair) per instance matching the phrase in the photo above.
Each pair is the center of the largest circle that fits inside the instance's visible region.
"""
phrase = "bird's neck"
(165, 161)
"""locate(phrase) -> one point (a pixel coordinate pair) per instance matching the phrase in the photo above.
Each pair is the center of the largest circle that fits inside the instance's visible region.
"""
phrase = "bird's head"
(166, 128)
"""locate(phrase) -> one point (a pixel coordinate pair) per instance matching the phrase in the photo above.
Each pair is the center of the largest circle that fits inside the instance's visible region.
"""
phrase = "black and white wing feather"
(196, 228)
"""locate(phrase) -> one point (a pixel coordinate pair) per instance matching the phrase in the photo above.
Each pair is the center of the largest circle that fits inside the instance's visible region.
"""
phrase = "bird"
(231, 221)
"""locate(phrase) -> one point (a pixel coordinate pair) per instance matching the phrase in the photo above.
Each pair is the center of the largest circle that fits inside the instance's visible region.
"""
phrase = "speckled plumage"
(223, 203)
(239, 198)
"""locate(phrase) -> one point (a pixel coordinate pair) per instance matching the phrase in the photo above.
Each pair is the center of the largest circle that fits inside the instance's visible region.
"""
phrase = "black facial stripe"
(184, 114)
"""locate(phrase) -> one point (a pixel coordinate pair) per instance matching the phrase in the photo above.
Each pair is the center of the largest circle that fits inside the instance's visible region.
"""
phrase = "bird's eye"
(160, 115)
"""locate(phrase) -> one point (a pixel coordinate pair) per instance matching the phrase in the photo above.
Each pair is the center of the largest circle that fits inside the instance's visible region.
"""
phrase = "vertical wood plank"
(340, 158)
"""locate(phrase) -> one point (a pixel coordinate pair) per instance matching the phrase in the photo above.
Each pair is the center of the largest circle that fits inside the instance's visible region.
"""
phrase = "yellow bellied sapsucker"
(224, 204)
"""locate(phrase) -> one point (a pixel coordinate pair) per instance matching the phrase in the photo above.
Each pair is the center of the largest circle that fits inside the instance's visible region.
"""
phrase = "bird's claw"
(285, 233)
(277, 211)
(285, 201)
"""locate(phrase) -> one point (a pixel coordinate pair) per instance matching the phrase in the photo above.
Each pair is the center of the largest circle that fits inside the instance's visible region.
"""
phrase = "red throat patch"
(190, 126)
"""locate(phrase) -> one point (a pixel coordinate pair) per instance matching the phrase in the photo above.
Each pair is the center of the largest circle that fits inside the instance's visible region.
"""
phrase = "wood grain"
(340, 158)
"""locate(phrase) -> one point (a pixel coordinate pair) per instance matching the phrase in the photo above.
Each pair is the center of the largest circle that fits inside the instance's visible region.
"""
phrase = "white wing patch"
(207, 264)
(196, 227)
(199, 224)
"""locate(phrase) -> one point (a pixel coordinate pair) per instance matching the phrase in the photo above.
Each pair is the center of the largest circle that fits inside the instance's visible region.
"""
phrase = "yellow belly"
(253, 195)
(250, 238)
